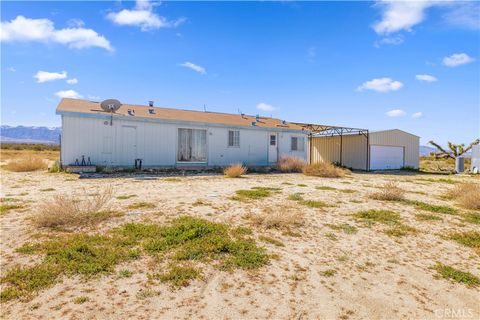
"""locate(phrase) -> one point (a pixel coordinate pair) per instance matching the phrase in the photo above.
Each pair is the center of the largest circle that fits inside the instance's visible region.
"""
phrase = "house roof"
(67, 105)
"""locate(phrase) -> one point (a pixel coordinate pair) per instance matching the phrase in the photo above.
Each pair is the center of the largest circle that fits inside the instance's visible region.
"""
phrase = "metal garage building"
(361, 149)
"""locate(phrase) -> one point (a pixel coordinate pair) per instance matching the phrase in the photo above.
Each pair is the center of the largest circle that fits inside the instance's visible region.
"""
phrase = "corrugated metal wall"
(327, 149)
(354, 153)
(401, 139)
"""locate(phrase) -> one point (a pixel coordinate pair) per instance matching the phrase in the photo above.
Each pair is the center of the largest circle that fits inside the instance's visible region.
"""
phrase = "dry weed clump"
(324, 169)
(26, 164)
(278, 218)
(290, 164)
(467, 195)
(235, 170)
(75, 210)
(390, 191)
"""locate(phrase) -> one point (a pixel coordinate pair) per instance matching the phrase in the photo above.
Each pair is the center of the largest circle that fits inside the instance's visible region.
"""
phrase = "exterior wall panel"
(156, 143)
(354, 148)
(401, 139)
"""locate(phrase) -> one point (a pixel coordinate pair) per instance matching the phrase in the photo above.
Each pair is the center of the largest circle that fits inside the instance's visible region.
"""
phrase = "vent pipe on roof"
(150, 103)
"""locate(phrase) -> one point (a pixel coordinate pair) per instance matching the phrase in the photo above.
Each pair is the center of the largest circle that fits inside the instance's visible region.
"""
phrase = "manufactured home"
(164, 137)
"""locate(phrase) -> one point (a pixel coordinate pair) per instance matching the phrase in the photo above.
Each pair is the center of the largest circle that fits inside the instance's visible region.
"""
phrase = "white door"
(386, 157)
(272, 147)
(129, 145)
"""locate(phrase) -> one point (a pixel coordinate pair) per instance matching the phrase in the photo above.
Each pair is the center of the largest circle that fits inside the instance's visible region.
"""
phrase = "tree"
(456, 150)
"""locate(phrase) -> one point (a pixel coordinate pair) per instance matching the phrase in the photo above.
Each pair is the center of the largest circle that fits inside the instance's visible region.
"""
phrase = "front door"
(272, 148)
(129, 145)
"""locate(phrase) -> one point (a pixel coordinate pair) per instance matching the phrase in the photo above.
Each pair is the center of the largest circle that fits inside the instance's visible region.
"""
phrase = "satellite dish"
(110, 105)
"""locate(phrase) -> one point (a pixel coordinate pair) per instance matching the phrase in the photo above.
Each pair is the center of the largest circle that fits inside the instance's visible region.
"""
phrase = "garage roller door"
(386, 157)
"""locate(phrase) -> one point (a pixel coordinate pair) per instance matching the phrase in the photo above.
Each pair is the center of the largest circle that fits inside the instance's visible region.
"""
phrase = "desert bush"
(75, 210)
(278, 218)
(290, 164)
(26, 164)
(235, 170)
(467, 195)
(390, 191)
(55, 167)
(324, 169)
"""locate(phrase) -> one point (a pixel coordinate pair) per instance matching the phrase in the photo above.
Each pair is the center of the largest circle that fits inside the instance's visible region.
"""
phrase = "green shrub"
(451, 273)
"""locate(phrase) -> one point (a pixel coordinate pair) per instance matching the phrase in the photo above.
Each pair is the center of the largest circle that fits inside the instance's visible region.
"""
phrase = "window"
(192, 145)
(234, 138)
(273, 140)
(298, 144)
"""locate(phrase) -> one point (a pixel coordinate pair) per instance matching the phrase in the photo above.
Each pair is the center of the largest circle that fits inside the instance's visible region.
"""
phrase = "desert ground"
(325, 260)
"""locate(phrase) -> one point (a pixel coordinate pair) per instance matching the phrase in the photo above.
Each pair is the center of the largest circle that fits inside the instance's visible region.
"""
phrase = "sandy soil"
(377, 276)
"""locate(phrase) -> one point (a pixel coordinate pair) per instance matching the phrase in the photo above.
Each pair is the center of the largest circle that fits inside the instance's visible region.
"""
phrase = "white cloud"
(457, 59)
(75, 23)
(396, 113)
(45, 76)
(93, 98)
(68, 94)
(393, 41)
(142, 16)
(72, 81)
(265, 107)
(403, 15)
(400, 15)
(417, 115)
(465, 15)
(381, 85)
(194, 67)
(426, 77)
(43, 30)
(11, 69)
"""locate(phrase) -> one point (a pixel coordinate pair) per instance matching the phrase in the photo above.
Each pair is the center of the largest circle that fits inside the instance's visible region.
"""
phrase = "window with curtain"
(192, 145)
(233, 138)
(298, 144)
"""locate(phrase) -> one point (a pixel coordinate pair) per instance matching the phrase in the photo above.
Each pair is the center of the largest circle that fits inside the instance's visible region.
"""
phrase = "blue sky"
(378, 65)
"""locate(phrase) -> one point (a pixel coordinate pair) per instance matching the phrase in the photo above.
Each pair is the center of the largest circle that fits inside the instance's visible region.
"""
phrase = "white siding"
(156, 143)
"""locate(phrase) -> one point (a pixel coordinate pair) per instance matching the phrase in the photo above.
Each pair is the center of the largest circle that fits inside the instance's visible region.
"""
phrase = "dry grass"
(235, 170)
(324, 169)
(22, 154)
(390, 191)
(26, 164)
(278, 218)
(75, 210)
(290, 164)
(467, 195)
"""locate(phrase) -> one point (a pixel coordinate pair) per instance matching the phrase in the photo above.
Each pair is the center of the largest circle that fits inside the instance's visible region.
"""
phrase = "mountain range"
(23, 134)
